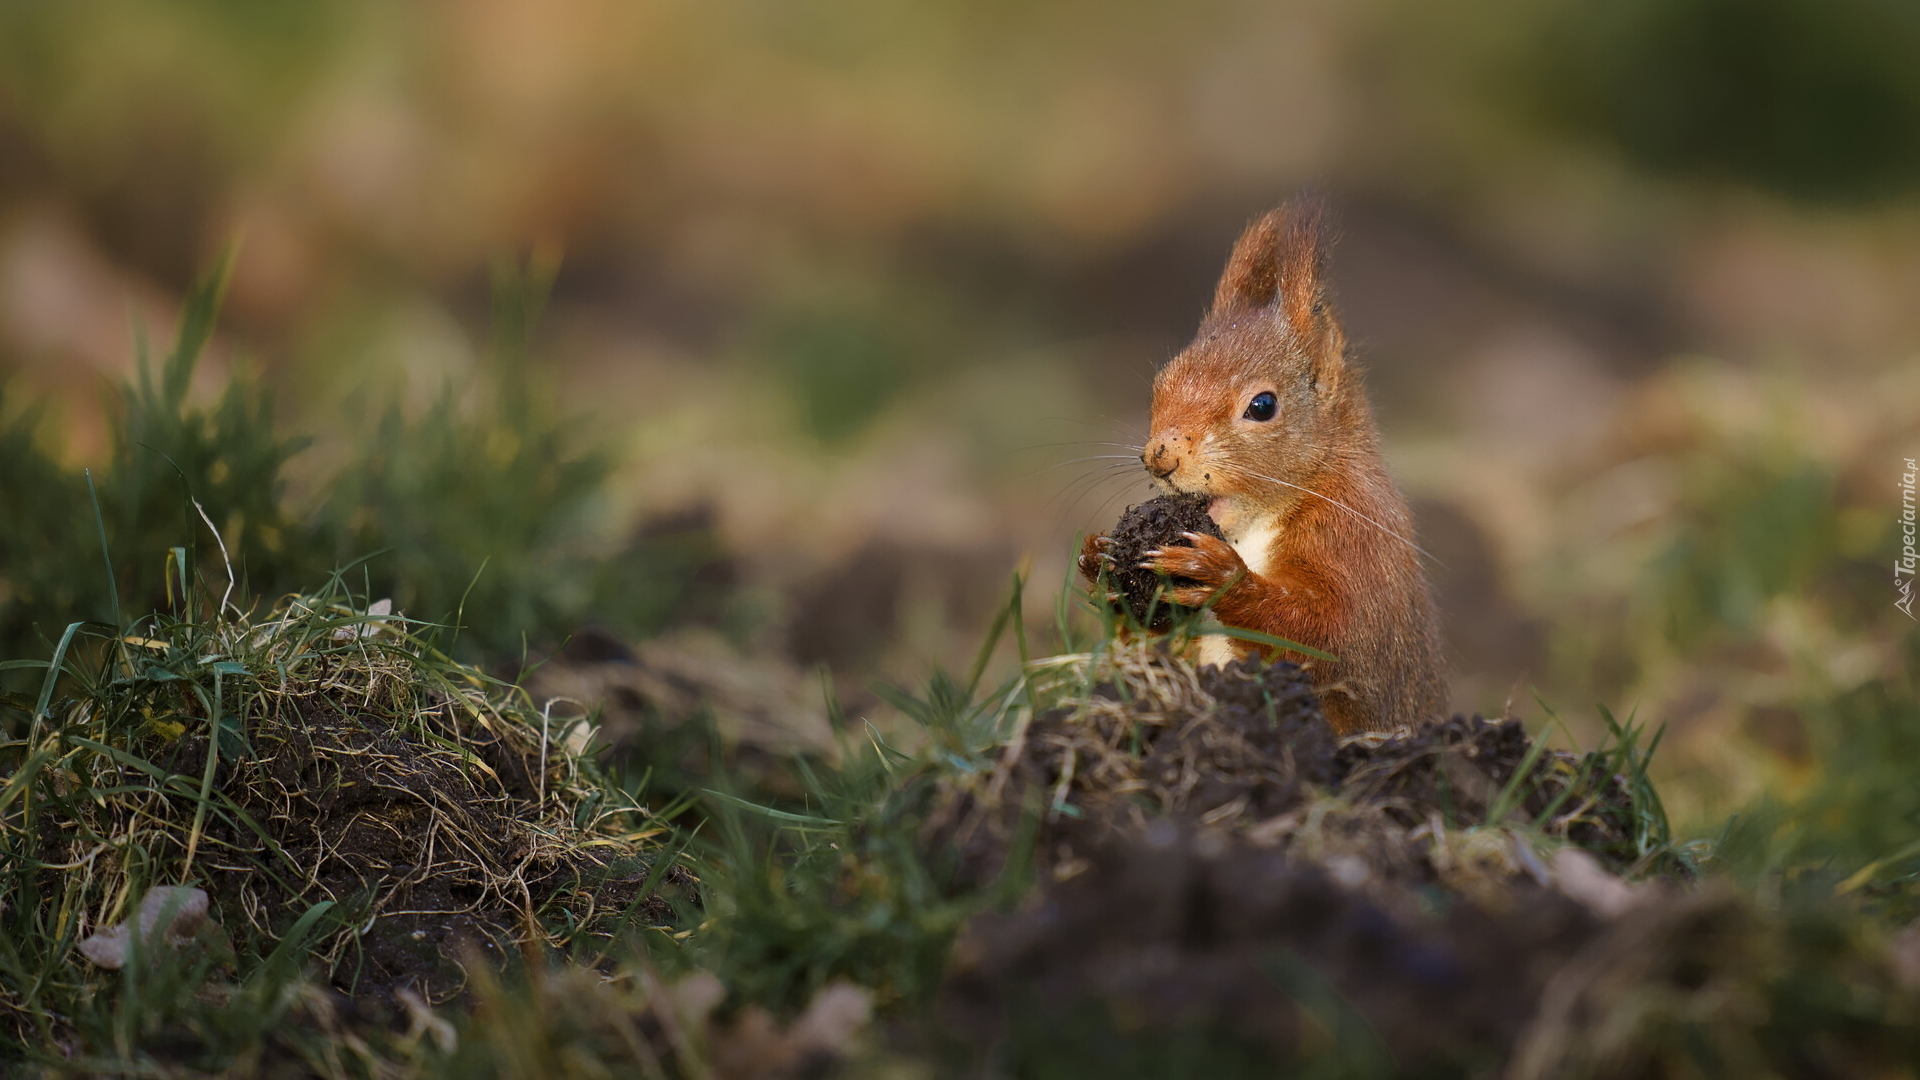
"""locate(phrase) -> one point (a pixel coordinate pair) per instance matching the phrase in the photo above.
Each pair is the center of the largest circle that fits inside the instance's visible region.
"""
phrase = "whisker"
(1114, 463)
(1082, 442)
(1095, 486)
(1086, 482)
(1090, 481)
(1124, 425)
(1127, 492)
(1100, 511)
(1132, 459)
(1229, 467)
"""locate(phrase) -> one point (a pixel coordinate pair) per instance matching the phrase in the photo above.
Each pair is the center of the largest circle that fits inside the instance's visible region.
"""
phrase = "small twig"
(224, 557)
(1061, 789)
(546, 720)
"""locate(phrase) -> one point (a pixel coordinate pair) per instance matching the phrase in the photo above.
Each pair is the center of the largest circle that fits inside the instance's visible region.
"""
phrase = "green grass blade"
(1010, 609)
(23, 777)
(196, 329)
(1242, 634)
(113, 585)
(791, 818)
(54, 667)
(1513, 791)
(280, 961)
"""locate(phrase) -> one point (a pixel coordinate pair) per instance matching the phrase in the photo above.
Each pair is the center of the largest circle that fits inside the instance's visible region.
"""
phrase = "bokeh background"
(844, 302)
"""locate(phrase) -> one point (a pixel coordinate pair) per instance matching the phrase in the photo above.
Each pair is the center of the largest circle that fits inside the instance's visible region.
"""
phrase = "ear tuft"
(1277, 263)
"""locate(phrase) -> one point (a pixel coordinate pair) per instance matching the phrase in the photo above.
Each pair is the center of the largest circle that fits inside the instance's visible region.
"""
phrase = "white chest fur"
(1215, 649)
(1255, 544)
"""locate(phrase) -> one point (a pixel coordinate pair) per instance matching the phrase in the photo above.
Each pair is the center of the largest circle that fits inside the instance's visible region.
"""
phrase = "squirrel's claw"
(1094, 557)
(1208, 566)
(1192, 596)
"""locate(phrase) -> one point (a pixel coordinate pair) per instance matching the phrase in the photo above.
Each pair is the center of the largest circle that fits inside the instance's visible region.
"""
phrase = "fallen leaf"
(183, 909)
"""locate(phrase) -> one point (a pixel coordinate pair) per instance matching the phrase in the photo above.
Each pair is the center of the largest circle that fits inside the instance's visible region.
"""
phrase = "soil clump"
(1157, 523)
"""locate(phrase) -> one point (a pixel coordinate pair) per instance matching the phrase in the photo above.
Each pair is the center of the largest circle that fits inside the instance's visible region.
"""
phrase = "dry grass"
(318, 762)
(1131, 735)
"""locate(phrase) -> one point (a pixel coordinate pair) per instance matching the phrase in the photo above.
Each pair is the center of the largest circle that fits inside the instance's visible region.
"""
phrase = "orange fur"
(1335, 569)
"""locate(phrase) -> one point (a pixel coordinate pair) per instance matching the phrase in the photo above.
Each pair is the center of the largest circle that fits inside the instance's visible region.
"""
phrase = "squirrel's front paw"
(1199, 572)
(1094, 558)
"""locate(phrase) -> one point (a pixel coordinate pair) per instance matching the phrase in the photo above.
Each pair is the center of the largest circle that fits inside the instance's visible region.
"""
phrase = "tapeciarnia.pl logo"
(1904, 565)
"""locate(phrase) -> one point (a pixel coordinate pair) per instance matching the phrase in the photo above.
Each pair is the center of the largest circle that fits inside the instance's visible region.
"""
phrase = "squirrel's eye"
(1263, 406)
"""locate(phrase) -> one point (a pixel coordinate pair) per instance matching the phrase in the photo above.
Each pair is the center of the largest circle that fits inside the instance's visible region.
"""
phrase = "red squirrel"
(1265, 413)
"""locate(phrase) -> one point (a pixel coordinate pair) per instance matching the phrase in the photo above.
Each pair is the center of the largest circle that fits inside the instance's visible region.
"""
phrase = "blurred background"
(840, 305)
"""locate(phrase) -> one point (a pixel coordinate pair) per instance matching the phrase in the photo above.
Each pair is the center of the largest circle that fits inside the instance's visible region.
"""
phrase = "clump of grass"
(486, 510)
(351, 799)
(1602, 800)
(481, 516)
(169, 463)
(1759, 527)
(1853, 833)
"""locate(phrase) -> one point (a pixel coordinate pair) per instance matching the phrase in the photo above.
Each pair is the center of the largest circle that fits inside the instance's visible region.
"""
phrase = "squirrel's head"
(1264, 395)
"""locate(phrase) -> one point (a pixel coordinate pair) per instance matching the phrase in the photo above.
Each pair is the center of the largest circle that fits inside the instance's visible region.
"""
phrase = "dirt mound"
(1242, 954)
(437, 829)
(323, 768)
(1210, 855)
(1471, 771)
(1245, 752)
(1183, 930)
(1152, 739)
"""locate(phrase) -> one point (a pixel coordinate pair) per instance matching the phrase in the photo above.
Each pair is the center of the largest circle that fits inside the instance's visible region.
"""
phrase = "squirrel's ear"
(1276, 263)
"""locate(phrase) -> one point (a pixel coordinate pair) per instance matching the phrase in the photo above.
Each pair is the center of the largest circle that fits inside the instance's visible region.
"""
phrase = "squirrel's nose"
(1158, 462)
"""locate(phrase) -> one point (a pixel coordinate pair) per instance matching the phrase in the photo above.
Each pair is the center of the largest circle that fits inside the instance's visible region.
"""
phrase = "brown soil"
(1174, 930)
(1158, 523)
(427, 822)
(1160, 741)
(1209, 854)
(1244, 751)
